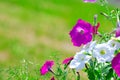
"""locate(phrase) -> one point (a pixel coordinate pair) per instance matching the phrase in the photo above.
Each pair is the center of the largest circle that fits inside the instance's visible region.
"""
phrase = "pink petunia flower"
(117, 70)
(92, 1)
(95, 28)
(81, 33)
(116, 64)
(52, 78)
(46, 67)
(67, 60)
(117, 34)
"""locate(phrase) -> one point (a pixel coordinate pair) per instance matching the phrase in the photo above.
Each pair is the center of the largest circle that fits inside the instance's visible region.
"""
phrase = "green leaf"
(65, 66)
(73, 71)
(110, 74)
(91, 75)
(59, 70)
(105, 69)
(98, 75)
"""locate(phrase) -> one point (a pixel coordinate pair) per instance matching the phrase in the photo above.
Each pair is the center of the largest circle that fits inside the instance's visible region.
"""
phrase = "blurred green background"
(37, 30)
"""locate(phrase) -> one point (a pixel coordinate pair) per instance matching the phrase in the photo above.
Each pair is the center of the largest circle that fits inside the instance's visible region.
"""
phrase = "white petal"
(79, 55)
(87, 58)
(109, 52)
(114, 44)
(89, 47)
(92, 45)
(80, 66)
(74, 64)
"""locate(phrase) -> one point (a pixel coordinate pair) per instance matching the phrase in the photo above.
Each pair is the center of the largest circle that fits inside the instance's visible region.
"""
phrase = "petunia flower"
(103, 53)
(79, 60)
(117, 32)
(89, 47)
(117, 70)
(67, 60)
(116, 64)
(95, 28)
(114, 44)
(92, 1)
(81, 33)
(46, 67)
(52, 78)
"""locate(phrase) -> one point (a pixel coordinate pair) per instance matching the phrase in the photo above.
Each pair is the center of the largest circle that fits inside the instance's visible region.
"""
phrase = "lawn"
(32, 31)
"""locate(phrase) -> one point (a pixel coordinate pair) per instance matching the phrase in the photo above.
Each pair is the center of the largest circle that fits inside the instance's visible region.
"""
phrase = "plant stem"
(78, 76)
(105, 2)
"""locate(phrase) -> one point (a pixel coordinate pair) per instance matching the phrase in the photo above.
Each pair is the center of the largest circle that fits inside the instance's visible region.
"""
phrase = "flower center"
(102, 52)
(82, 58)
(113, 44)
(80, 30)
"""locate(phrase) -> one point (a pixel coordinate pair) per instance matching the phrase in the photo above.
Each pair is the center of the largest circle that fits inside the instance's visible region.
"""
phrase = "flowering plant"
(99, 54)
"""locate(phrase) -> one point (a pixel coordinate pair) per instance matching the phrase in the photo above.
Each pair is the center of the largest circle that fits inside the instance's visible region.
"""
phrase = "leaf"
(105, 69)
(59, 70)
(73, 71)
(91, 75)
(64, 76)
(65, 66)
(110, 74)
(97, 74)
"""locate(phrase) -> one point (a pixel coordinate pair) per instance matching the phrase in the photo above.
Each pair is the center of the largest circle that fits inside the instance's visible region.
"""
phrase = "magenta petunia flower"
(95, 28)
(116, 64)
(92, 1)
(117, 70)
(46, 67)
(117, 32)
(67, 60)
(81, 33)
(52, 78)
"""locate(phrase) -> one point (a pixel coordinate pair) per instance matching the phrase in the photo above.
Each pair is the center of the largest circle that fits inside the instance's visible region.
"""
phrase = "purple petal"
(92, 1)
(118, 32)
(45, 68)
(117, 70)
(67, 60)
(116, 60)
(81, 33)
(116, 64)
(95, 28)
(52, 78)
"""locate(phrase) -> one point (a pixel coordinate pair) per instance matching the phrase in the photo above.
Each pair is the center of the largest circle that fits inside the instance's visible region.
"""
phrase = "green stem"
(118, 19)
(105, 2)
(78, 76)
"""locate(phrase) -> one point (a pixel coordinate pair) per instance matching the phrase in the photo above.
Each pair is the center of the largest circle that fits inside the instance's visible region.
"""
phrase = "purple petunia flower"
(117, 32)
(81, 33)
(92, 1)
(95, 28)
(46, 67)
(52, 78)
(117, 70)
(67, 60)
(116, 64)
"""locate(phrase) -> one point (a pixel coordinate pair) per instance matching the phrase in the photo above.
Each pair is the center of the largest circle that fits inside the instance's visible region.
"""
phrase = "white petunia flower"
(103, 53)
(114, 44)
(89, 47)
(79, 60)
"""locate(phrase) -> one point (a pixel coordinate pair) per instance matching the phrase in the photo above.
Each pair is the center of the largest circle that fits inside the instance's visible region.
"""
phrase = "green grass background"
(38, 30)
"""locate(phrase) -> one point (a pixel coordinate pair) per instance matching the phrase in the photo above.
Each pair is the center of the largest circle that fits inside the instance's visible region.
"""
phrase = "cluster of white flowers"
(103, 52)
